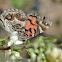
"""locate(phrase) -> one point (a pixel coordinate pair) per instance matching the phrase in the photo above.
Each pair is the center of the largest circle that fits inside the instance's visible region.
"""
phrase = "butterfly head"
(44, 23)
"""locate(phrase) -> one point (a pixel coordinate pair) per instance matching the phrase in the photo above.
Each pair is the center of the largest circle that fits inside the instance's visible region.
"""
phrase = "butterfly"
(26, 26)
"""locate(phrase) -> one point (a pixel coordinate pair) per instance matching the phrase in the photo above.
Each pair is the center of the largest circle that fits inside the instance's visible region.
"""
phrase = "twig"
(9, 47)
(5, 47)
(23, 47)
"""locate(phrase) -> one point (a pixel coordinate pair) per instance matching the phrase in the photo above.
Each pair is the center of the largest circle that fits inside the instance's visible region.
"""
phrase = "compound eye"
(44, 22)
(9, 17)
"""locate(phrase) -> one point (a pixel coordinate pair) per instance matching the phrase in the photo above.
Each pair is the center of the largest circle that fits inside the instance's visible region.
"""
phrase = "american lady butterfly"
(26, 27)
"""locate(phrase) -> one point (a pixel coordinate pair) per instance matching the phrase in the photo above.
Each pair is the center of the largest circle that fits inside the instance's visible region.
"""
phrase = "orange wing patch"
(28, 24)
(31, 25)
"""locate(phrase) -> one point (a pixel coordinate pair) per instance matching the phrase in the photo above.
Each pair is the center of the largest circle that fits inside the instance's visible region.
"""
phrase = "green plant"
(41, 50)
